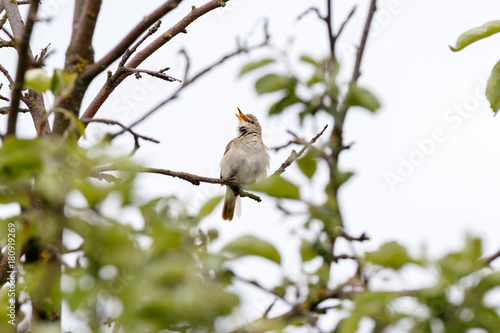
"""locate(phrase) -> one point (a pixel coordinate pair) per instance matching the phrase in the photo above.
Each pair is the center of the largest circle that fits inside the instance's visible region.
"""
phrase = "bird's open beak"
(241, 116)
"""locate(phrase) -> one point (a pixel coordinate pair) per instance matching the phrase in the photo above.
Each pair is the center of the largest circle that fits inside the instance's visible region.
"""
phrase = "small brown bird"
(245, 160)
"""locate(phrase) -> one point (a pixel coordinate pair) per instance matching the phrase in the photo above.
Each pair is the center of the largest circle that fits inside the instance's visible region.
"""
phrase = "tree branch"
(492, 258)
(294, 155)
(179, 27)
(159, 74)
(361, 238)
(17, 25)
(329, 23)
(6, 109)
(187, 81)
(348, 18)
(22, 66)
(131, 37)
(361, 49)
(196, 180)
(337, 130)
(125, 128)
(81, 43)
(4, 268)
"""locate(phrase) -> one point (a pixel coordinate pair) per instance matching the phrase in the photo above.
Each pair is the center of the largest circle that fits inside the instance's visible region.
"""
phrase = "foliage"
(158, 273)
(473, 35)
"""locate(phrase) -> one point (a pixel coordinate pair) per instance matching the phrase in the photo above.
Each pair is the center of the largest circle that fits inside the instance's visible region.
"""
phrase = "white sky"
(407, 64)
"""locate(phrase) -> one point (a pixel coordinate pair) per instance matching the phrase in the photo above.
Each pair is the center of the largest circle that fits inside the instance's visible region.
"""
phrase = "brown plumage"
(245, 160)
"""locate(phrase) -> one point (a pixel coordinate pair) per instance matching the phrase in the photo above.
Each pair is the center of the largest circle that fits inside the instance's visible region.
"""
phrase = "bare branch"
(311, 10)
(128, 53)
(6, 43)
(296, 141)
(364, 38)
(294, 155)
(77, 15)
(125, 43)
(348, 18)
(361, 238)
(41, 57)
(492, 258)
(22, 66)
(179, 27)
(4, 17)
(17, 25)
(159, 74)
(193, 179)
(81, 43)
(7, 75)
(337, 130)
(4, 268)
(125, 128)
(187, 81)
(329, 24)
(6, 109)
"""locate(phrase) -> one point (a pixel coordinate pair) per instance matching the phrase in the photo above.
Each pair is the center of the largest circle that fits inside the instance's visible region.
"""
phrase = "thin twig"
(7, 75)
(337, 130)
(178, 28)
(348, 18)
(131, 51)
(22, 66)
(187, 81)
(3, 20)
(6, 43)
(329, 23)
(361, 238)
(157, 74)
(364, 38)
(492, 258)
(6, 110)
(296, 141)
(261, 287)
(125, 128)
(294, 155)
(40, 58)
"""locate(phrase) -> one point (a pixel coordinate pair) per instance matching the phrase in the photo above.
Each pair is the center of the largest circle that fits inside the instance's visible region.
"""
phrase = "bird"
(245, 160)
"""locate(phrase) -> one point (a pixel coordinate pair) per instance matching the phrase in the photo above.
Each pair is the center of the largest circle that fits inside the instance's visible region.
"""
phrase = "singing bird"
(245, 160)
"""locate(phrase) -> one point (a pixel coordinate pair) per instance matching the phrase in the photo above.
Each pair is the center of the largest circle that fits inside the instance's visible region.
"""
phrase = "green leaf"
(251, 245)
(358, 96)
(254, 65)
(493, 88)
(308, 59)
(274, 82)
(276, 186)
(459, 264)
(37, 79)
(307, 164)
(391, 255)
(473, 35)
(209, 206)
(368, 304)
(61, 80)
(288, 100)
(307, 251)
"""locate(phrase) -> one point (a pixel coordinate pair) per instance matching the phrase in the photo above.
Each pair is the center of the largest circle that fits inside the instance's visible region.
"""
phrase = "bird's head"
(248, 123)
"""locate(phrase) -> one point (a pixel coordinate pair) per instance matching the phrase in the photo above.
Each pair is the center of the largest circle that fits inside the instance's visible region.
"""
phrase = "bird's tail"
(229, 204)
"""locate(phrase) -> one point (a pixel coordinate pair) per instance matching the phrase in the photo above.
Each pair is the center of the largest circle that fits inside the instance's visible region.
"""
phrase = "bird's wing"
(228, 146)
(227, 149)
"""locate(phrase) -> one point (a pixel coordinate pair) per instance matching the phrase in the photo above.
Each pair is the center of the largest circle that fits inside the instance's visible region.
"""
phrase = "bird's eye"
(253, 122)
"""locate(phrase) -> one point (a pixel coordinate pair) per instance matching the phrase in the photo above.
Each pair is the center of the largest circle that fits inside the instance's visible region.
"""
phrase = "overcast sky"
(426, 163)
